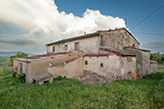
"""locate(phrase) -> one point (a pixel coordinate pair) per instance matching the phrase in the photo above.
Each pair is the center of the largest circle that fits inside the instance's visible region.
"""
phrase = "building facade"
(111, 53)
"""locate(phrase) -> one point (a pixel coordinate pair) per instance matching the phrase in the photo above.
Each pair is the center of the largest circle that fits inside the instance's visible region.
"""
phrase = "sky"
(27, 25)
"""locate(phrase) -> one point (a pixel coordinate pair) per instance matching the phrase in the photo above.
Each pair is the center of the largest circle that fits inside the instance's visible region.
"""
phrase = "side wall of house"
(118, 39)
(103, 65)
(87, 45)
(153, 67)
(113, 65)
(72, 69)
(128, 67)
(146, 63)
(16, 64)
(142, 61)
(68, 65)
(21, 66)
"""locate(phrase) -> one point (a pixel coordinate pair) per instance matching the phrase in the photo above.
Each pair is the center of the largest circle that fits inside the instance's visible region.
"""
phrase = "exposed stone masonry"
(95, 79)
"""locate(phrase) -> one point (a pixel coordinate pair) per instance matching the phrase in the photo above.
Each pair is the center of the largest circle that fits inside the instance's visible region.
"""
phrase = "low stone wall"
(153, 66)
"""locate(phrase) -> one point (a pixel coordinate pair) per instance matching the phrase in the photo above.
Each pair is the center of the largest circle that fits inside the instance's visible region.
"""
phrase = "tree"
(162, 58)
(18, 55)
(157, 57)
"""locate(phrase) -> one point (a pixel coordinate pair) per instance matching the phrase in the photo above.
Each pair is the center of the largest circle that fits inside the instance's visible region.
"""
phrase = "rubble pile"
(94, 79)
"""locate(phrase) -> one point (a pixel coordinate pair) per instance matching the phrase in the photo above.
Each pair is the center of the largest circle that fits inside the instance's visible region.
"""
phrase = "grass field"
(4, 61)
(147, 93)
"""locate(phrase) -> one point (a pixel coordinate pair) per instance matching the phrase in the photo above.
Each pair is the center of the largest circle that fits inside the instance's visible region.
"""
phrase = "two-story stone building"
(110, 53)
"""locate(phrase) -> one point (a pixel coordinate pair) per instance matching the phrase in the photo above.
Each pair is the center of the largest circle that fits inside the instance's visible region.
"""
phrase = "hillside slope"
(4, 61)
(71, 94)
(8, 54)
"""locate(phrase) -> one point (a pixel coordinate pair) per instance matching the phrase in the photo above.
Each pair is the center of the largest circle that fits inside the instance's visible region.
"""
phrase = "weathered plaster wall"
(103, 65)
(87, 45)
(22, 66)
(142, 61)
(153, 67)
(146, 63)
(117, 66)
(69, 70)
(118, 39)
(128, 67)
(16, 66)
(65, 65)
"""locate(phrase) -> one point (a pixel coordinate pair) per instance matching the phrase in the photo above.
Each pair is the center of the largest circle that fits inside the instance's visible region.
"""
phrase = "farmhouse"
(112, 54)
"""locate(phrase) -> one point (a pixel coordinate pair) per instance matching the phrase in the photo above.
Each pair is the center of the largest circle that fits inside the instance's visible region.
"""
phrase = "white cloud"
(45, 24)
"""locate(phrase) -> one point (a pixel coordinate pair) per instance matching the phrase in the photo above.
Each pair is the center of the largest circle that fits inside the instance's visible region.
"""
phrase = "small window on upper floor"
(76, 47)
(66, 47)
(53, 49)
(134, 46)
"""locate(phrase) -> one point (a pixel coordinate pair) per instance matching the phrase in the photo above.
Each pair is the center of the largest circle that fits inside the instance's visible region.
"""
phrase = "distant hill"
(4, 61)
(8, 54)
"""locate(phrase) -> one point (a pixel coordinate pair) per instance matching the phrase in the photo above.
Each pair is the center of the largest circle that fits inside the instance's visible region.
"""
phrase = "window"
(86, 62)
(76, 46)
(66, 47)
(53, 49)
(101, 65)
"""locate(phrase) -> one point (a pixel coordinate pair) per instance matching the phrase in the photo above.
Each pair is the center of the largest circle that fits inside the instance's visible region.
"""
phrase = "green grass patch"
(4, 61)
(146, 93)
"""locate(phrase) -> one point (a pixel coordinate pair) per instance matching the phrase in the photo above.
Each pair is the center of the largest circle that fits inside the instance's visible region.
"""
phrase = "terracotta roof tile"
(152, 61)
(44, 55)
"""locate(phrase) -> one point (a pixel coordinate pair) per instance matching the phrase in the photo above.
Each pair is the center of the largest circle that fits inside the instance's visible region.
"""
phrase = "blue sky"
(28, 25)
(133, 10)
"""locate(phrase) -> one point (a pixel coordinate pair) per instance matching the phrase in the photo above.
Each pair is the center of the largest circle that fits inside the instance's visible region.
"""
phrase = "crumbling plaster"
(118, 40)
(113, 65)
(22, 66)
(100, 65)
(142, 60)
(128, 67)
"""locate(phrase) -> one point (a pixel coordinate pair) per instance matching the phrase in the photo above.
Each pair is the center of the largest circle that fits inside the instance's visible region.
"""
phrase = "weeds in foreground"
(145, 93)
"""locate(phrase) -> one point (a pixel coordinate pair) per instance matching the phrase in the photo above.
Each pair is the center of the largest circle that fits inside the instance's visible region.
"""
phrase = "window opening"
(76, 45)
(66, 47)
(101, 65)
(53, 48)
(86, 62)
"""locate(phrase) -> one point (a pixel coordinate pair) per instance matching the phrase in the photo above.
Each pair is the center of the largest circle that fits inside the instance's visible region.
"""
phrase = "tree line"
(157, 57)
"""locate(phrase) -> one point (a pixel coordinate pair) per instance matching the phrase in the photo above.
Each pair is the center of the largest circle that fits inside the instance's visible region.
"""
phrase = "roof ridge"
(90, 35)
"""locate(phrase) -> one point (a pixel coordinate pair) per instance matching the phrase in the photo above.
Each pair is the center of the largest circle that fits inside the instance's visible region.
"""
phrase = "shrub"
(60, 78)
(19, 78)
(18, 55)
(14, 75)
